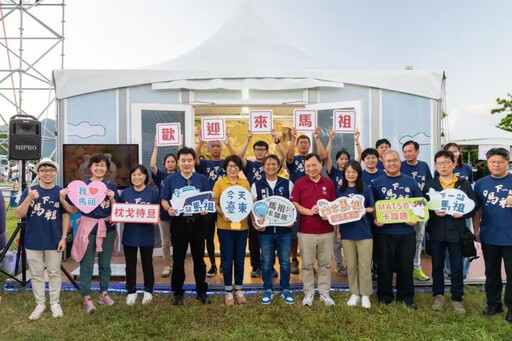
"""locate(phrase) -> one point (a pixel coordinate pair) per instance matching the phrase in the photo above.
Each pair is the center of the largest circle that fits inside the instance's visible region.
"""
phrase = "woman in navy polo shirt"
(138, 236)
(356, 238)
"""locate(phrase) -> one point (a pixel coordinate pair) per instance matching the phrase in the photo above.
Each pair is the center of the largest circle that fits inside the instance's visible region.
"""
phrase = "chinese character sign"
(236, 203)
(344, 121)
(135, 213)
(86, 197)
(169, 134)
(274, 211)
(213, 128)
(401, 210)
(450, 200)
(192, 202)
(342, 210)
(260, 121)
(304, 120)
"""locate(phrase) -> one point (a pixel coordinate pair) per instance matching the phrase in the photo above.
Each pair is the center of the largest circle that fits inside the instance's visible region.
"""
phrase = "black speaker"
(24, 138)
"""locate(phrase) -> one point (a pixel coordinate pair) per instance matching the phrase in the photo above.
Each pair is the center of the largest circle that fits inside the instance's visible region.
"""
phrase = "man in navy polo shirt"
(395, 244)
(253, 170)
(297, 170)
(493, 228)
(315, 234)
(186, 228)
(419, 171)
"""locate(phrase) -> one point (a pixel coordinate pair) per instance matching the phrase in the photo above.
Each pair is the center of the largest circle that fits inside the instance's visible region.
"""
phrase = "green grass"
(253, 321)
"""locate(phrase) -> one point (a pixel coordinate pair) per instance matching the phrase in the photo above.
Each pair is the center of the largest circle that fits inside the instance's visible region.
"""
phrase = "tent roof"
(246, 47)
(470, 130)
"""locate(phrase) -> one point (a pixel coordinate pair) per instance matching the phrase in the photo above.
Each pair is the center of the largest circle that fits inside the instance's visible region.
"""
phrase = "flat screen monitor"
(122, 158)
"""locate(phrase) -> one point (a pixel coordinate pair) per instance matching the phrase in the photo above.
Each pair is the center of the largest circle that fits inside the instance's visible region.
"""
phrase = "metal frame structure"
(25, 72)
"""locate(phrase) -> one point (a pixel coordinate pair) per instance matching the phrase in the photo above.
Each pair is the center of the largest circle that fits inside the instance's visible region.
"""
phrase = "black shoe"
(255, 272)
(274, 273)
(385, 302)
(204, 299)
(509, 316)
(178, 300)
(412, 306)
(212, 272)
(493, 310)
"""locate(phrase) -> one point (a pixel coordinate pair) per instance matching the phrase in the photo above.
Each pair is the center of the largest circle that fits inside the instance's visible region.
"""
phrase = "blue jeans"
(439, 249)
(281, 242)
(232, 250)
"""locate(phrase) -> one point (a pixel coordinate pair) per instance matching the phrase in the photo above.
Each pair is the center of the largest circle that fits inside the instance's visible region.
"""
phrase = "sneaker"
(212, 272)
(328, 301)
(106, 300)
(178, 300)
(365, 302)
(147, 298)
(229, 300)
(131, 298)
(166, 272)
(267, 298)
(274, 273)
(255, 272)
(340, 270)
(56, 310)
(438, 304)
(420, 275)
(458, 307)
(40, 308)
(89, 306)
(240, 297)
(353, 300)
(204, 299)
(308, 300)
(287, 295)
(295, 267)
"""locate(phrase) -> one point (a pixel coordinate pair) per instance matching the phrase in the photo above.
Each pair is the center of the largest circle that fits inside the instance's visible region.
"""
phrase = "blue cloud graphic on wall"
(421, 138)
(85, 129)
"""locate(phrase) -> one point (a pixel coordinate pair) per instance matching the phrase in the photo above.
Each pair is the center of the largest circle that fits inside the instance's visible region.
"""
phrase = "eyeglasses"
(389, 162)
(47, 170)
(497, 162)
(443, 163)
(233, 166)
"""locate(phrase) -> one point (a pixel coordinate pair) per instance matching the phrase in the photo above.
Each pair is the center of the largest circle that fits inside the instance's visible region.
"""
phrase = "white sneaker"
(353, 300)
(148, 297)
(327, 300)
(308, 300)
(40, 308)
(365, 302)
(166, 272)
(56, 310)
(131, 298)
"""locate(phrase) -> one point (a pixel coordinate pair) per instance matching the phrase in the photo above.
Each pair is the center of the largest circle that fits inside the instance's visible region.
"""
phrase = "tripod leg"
(68, 275)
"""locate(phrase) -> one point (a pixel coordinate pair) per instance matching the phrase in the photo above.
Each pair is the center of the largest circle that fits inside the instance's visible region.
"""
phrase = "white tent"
(471, 130)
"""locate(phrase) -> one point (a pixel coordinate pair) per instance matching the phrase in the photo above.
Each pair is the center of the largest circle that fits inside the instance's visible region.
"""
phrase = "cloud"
(421, 138)
(85, 129)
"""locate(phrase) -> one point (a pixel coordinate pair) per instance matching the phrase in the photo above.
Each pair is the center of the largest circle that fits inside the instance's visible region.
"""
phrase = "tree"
(505, 105)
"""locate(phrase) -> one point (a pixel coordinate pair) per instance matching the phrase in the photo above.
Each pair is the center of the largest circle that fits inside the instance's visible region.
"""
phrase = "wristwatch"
(277, 141)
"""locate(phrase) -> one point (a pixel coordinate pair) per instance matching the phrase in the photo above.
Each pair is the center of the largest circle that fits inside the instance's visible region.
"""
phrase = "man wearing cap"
(45, 207)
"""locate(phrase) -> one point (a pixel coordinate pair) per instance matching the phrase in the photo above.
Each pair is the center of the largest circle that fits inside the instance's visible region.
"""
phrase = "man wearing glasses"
(395, 244)
(492, 224)
(186, 228)
(45, 207)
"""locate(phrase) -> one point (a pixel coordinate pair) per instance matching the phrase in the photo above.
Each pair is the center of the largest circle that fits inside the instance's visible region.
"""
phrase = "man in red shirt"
(315, 234)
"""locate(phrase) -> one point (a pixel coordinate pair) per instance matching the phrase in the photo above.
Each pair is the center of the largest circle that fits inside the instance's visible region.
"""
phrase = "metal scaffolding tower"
(31, 47)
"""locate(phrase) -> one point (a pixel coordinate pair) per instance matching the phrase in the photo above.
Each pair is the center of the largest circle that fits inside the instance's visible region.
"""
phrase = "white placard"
(135, 213)
(260, 121)
(450, 201)
(169, 134)
(344, 121)
(213, 129)
(304, 120)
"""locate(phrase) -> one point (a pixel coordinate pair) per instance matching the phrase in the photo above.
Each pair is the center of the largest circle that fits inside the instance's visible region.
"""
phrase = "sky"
(470, 40)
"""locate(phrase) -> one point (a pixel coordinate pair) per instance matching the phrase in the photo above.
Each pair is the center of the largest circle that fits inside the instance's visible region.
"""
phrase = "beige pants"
(165, 236)
(358, 257)
(319, 247)
(37, 260)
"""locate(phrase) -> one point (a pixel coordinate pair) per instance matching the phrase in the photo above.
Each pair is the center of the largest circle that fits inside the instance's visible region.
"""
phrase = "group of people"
(368, 245)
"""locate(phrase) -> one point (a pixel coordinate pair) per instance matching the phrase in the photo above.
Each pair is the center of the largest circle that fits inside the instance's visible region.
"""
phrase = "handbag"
(467, 240)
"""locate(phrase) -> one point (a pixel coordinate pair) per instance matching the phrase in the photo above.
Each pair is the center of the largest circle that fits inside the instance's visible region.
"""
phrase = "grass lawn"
(253, 321)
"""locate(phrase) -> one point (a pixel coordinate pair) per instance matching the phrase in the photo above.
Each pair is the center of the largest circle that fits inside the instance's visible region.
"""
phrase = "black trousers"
(395, 252)
(146, 257)
(254, 246)
(210, 235)
(187, 231)
(493, 255)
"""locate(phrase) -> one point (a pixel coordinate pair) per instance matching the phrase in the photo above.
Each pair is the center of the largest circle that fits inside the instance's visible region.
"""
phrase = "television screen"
(122, 158)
